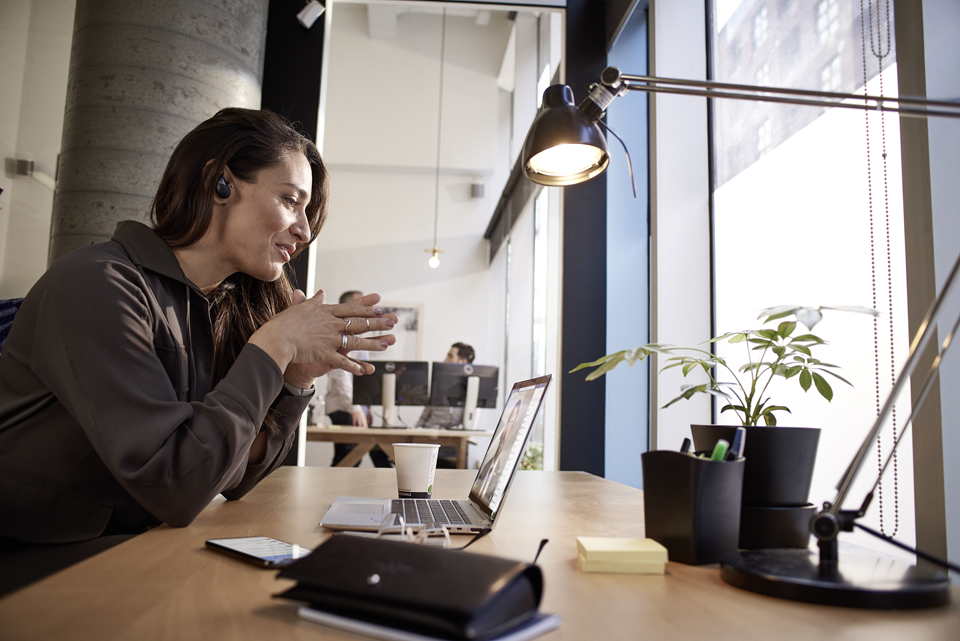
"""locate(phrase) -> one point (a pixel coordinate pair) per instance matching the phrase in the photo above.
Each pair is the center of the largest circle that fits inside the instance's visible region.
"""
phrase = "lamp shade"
(564, 146)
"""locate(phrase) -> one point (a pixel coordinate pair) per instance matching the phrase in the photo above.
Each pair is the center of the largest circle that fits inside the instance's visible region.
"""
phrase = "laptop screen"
(506, 445)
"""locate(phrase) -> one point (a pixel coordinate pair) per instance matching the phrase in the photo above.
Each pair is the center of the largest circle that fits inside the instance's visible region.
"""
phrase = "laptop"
(478, 512)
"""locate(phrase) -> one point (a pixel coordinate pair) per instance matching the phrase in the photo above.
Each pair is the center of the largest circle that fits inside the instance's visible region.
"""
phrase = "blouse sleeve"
(171, 456)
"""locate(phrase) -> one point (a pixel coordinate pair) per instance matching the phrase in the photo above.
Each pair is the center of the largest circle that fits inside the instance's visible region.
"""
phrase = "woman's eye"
(291, 200)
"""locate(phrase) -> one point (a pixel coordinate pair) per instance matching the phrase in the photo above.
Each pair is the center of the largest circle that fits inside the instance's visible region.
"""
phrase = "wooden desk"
(164, 585)
(366, 438)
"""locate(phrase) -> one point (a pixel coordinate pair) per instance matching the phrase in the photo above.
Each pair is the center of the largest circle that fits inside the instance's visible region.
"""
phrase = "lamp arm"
(921, 340)
(927, 386)
(906, 106)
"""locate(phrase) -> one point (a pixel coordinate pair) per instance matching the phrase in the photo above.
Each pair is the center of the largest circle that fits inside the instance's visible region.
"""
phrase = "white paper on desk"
(540, 624)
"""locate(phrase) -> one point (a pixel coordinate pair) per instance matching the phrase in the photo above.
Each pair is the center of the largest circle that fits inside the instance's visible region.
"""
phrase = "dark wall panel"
(291, 86)
(584, 263)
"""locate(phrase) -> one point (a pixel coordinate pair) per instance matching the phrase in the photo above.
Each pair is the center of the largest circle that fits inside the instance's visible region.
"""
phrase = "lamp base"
(856, 581)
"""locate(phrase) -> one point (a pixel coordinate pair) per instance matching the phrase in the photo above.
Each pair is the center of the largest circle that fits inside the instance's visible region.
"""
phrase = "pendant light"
(435, 251)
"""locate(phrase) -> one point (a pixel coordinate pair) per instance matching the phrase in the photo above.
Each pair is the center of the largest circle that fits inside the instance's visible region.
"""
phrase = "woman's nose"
(301, 228)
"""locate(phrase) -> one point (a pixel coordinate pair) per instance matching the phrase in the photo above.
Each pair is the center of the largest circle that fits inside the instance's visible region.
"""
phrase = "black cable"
(626, 151)
(540, 549)
(476, 538)
(922, 555)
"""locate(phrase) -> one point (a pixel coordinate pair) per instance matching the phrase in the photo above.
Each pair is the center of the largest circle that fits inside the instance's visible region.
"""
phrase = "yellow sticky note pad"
(622, 556)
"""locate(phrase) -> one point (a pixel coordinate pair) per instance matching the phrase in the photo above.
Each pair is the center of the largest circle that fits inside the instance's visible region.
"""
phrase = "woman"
(145, 375)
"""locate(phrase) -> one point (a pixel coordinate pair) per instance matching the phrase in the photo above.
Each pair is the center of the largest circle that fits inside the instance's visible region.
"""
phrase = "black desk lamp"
(565, 146)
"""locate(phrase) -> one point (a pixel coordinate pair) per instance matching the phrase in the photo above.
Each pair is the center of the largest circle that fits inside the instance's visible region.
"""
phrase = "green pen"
(720, 450)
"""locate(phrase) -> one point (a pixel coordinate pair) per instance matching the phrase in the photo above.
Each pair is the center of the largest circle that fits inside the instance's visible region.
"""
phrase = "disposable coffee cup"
(416, 466)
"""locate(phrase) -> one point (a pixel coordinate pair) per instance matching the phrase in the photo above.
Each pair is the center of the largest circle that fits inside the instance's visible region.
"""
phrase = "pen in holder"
(692, 505)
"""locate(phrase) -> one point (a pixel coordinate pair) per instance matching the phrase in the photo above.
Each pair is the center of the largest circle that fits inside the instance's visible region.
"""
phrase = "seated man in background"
(447, 417)
(342, 411)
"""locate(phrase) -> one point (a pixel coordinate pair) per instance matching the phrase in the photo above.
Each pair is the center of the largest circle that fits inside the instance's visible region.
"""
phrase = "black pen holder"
(692, 505)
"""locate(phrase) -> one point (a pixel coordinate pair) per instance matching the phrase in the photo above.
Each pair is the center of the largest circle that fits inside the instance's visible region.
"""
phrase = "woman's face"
(262, 222)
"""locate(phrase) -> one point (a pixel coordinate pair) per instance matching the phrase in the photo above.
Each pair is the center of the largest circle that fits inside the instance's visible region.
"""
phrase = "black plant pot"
(777, 476)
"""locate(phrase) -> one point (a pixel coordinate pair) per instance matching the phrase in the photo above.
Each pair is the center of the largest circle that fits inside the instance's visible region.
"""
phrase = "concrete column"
(142, 74)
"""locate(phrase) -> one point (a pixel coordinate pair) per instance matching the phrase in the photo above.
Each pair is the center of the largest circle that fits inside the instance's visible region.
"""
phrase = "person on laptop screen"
(493, 467)
(147, 374)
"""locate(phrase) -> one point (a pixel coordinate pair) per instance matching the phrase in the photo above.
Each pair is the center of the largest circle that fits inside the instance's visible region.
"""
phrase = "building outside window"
(830, 76)
(760, 28)
(813, 215)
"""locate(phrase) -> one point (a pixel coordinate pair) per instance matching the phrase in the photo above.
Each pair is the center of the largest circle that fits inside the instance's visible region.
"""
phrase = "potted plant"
(779, 460)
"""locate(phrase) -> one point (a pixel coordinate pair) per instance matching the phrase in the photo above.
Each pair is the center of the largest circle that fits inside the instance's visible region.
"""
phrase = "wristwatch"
(297, 391)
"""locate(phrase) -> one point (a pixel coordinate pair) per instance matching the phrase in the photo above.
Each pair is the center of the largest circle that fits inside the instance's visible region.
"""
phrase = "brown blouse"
(110, 419)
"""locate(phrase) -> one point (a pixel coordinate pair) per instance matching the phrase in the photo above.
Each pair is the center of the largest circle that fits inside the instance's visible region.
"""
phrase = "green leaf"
(687, 367)
(736, 408)
(837, 376)
(739, 337)
(769, 333)
(724, 336)
(854, 308)
(823, 386)
(808, 338)
(635, 354)
(805, 379)
(780, 351)
(792, 371)
(606, 367)
(599, 361)
(801, 348)
(773, 313)
(786, 328)
(769, 419)
(687, 391)
(778, 408)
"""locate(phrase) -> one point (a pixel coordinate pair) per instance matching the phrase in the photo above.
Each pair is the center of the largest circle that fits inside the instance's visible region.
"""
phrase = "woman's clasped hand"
(305, 339)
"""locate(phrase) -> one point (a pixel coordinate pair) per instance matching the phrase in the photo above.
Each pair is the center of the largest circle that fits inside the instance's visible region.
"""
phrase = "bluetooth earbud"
(223, 189)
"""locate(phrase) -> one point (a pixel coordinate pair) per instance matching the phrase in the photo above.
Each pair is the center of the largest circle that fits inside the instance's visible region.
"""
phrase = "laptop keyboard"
(426, 510)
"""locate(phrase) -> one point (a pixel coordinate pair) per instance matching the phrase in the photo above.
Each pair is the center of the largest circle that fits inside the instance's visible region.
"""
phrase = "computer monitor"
(392, 383)
(464, 385)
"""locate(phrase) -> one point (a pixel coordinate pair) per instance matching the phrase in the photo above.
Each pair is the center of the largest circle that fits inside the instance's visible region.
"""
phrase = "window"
(828, 19)
(760, 28)
(764, 137)
(830, 76)
(762, 76)
(793, 223)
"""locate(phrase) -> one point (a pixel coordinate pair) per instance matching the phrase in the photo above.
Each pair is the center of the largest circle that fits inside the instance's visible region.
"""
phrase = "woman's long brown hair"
(247, 141)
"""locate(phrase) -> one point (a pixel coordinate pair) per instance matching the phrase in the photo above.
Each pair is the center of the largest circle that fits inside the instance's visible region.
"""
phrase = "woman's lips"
(287, 251)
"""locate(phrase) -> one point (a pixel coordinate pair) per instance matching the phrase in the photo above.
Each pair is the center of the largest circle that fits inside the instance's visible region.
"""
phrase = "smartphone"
(260, 550)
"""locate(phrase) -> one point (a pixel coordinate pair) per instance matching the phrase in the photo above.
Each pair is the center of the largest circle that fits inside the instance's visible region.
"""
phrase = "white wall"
(382, 156)
(35, 38)
(680, 229)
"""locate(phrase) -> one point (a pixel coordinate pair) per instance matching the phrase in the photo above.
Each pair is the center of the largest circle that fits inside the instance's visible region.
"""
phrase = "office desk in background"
(164, 585)
(366, 438)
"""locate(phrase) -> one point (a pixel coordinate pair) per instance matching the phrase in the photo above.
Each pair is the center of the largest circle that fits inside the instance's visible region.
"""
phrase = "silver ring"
(343, 343)
(368, 323)
(347, 326)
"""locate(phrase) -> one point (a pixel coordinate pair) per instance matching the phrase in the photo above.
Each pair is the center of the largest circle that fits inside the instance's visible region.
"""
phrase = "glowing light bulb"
(434, 261)
(566, 160)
